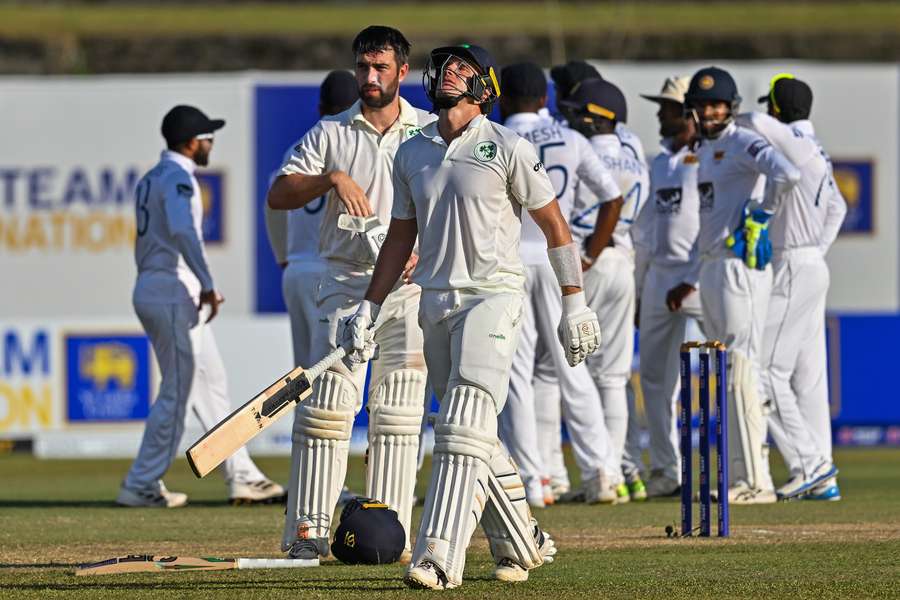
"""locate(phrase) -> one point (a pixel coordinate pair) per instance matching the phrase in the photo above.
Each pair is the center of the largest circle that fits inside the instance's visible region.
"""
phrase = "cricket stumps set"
(687, 492)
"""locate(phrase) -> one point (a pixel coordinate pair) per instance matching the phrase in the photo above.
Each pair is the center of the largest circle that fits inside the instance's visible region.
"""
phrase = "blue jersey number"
(633, 193)
(542, 149)
(584, 219)
(315, 206)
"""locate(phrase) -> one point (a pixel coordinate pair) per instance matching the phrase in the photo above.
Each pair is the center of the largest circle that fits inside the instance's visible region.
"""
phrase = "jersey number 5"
(565, 173)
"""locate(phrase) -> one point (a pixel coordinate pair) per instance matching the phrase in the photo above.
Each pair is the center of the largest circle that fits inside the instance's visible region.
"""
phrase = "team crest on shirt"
(412, 131)
(707, 195)
(485, 151)
(668, 201)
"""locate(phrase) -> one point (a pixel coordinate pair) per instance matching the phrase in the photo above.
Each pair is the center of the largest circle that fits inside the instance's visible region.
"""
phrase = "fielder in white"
(805, 225)
(604, 231)
(734, 163)
(461, 186)
(672, 223)
(173, 285)
(568, 159)
(350, 157)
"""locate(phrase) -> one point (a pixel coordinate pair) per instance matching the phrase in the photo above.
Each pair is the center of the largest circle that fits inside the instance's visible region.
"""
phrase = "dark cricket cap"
(185, 122)
(339, 90)
(600, 98)
(523, 80)
(566, 76)
(369, 533)
(790, 96)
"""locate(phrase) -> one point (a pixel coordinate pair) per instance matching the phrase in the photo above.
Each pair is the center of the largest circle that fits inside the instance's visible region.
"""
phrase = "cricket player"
(805, 224)
(460, 186)
(673, 222)
(349, 157)
(604, 231)
(175, 299)
(294, 238)
(734, 290)
(568, 158)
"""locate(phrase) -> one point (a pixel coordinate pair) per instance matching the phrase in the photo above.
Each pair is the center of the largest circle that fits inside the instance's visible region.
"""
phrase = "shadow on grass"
(369, 584)
(50, 565)
(49, 503)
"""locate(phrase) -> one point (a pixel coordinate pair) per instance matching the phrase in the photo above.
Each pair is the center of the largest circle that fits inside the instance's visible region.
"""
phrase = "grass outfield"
(56, 514)
(452, 19)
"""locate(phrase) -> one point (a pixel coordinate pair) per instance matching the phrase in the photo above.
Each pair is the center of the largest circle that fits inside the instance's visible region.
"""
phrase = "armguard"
(566, 263)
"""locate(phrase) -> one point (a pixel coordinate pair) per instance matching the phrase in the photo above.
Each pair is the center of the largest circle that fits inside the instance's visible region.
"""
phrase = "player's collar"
(408, 115)
(431, 131)
(180, 159)
(522, 119)
(805, 126)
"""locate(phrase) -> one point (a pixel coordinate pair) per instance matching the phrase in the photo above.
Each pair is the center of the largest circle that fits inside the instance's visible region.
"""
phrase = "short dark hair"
(375, 38)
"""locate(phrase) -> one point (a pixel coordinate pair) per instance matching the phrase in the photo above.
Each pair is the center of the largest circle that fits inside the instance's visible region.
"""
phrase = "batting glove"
(579, 329)
(358, 335)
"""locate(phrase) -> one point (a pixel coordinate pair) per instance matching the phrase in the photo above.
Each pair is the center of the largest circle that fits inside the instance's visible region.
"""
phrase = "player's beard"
(385, 97)
(201, 157)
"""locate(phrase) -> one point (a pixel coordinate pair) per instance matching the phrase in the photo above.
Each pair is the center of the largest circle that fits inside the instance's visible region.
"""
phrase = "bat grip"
(321, 366)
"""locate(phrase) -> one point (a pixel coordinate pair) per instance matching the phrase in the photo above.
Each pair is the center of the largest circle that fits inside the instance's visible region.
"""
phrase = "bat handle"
(321, 366)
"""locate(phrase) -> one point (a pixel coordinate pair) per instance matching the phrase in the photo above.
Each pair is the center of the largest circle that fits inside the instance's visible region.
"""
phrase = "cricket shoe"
(560, 487)
(661, 486)
(742, 493)
(264, 491)
(799, 485)
(152, 497)
(637, 491)
(309, 548)
(510, 571)
(426, 576)
(549, 496)
(534, 492)
(622, 493)
(600, 490)
(827, 491)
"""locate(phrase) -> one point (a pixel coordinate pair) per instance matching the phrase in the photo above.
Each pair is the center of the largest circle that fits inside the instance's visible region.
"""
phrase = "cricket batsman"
(460, 186)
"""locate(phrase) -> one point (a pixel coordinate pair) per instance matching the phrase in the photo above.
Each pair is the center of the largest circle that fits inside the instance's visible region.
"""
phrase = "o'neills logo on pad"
(485, 151)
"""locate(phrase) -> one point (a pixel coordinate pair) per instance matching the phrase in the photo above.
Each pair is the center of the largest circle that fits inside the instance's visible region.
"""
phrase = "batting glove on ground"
(358, 336)
(579, 330)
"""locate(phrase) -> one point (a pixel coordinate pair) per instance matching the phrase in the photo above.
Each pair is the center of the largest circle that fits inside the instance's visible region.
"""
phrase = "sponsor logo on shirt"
(668, 201)
(756, 147)
(707, 195)
(538, 167)
(485, 151)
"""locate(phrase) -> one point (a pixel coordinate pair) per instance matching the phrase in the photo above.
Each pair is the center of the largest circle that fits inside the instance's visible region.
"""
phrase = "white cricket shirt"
(168, 248)
(568, 158)
(803, 211)
(347, 142)
(630, 174)
(673, 218)
(467, 199)
(731, 173)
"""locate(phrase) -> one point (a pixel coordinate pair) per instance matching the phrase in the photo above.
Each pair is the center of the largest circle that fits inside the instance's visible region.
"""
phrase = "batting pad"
(507, 519)
(395, 418)
(321, 442)
(465, 435)
(746, 425)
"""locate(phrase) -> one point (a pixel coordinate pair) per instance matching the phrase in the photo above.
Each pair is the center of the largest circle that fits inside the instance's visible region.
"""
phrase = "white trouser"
(795, 322)
(192, 376)
(734, 299)
(660, 335)
(609, 286)
(313, 494)
(299, 286)
(547, 408)
(581, 403)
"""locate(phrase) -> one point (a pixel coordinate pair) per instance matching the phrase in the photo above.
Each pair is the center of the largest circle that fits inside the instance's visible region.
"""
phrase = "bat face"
(246, 422)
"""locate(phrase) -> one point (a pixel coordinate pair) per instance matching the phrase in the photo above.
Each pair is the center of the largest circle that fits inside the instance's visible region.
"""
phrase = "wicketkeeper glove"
(579, 329)
(750, 241)
(358, 335)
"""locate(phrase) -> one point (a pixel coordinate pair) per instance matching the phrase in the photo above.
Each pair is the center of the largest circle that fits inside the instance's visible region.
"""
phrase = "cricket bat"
(245, 423)
(138, 563)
